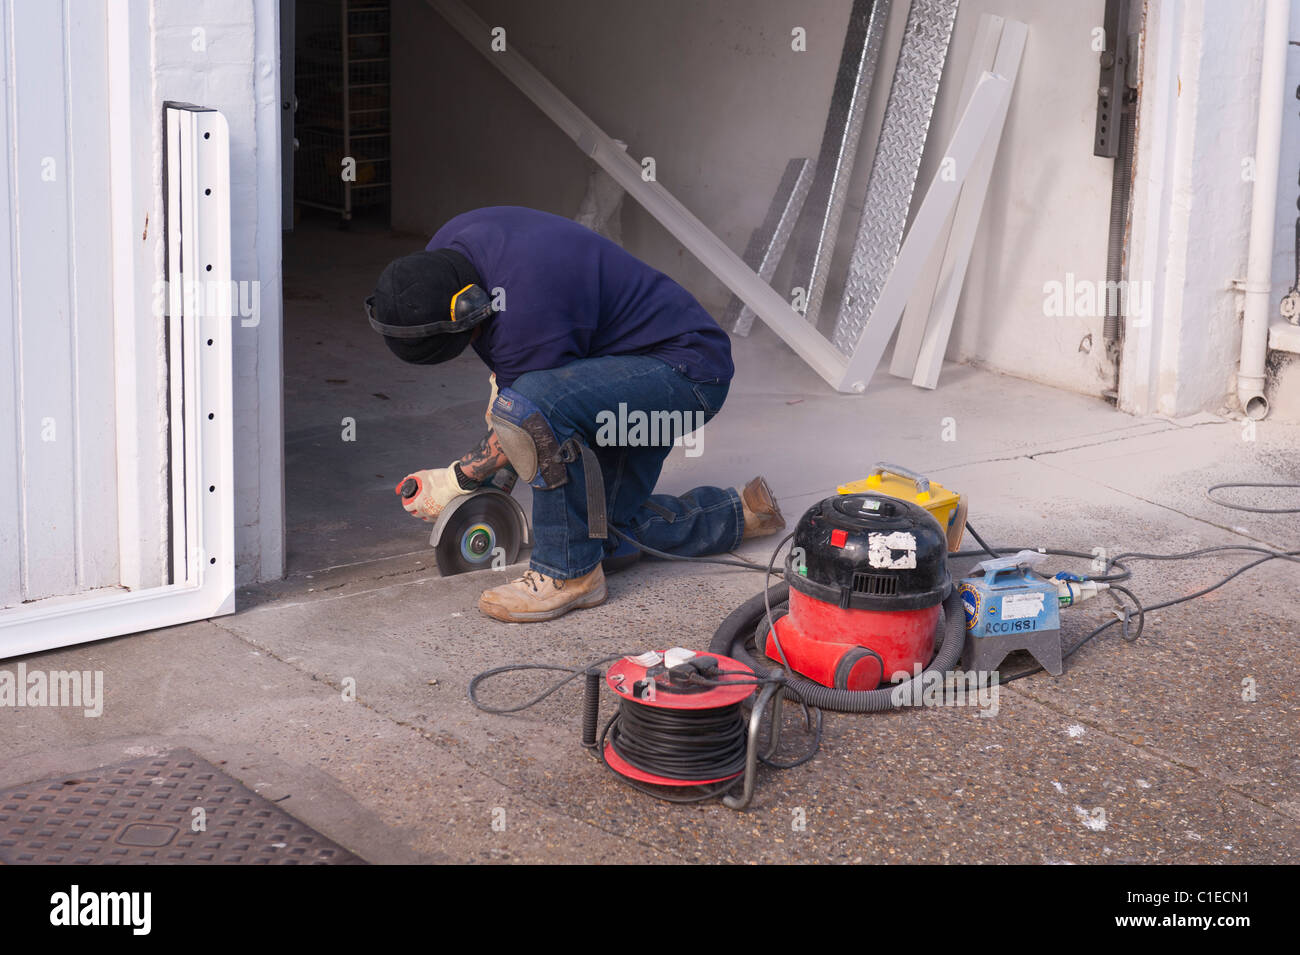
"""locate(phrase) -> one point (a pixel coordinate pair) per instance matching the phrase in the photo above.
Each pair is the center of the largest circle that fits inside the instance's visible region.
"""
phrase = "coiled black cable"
(646, 743)
(683, 745)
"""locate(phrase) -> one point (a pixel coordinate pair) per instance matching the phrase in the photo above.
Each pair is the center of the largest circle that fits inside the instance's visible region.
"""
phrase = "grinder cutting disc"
(481, 527)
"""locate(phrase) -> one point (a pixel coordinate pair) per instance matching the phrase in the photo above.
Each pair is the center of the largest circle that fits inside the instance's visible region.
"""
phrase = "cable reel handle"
(591, 707)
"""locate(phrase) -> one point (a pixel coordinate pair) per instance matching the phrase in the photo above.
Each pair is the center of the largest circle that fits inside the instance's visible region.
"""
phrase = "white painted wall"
(1289, 176)
(225, 56)
(1191, 203)
(1284, 396)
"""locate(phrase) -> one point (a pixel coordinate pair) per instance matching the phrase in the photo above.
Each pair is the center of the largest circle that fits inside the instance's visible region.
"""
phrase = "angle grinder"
(482, 530)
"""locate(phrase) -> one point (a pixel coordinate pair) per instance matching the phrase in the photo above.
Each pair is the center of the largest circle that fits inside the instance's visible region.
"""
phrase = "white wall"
(1284, 396)
(1192, 197)
(225, 55)
(1289, 173)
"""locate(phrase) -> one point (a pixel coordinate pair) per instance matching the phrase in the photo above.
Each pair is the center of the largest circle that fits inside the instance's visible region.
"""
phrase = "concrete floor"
(1154, 735)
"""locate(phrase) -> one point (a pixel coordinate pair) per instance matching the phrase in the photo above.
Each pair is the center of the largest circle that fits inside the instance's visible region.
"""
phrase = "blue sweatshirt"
(571, 294)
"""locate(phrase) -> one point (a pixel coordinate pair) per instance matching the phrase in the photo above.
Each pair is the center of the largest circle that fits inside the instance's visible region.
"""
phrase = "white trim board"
(960, 238)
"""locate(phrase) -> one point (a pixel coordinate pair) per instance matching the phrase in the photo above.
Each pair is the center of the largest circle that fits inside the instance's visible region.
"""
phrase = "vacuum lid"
(871, 510)
(870, 552)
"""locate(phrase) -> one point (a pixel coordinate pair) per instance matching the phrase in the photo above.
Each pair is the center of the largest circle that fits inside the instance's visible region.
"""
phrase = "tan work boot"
(762, 516)
(534, 596)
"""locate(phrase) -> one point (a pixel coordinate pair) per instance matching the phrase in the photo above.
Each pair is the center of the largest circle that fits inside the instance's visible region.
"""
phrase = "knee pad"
(529, 441)
(541, 459)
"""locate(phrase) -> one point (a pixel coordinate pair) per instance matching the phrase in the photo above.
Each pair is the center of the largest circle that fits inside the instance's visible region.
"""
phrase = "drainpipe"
(1259, 269)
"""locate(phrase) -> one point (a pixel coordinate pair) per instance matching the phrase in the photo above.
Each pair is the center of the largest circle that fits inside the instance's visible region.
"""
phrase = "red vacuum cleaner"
(867, 575)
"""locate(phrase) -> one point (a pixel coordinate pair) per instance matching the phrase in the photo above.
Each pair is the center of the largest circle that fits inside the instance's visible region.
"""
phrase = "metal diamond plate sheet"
(839, 148)
(767, 244)
(143, 811)
(897, 161)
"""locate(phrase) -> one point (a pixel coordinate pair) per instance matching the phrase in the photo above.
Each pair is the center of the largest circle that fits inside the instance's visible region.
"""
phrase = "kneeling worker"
(575, 331)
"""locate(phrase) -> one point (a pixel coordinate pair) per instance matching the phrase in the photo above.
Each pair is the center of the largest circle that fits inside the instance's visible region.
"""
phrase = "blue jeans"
(600, 401)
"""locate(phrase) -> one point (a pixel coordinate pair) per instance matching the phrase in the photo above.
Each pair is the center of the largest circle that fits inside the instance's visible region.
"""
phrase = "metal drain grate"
(143, 812)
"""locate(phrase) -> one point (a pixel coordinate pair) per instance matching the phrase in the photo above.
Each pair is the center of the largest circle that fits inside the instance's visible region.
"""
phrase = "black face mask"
(417, 290)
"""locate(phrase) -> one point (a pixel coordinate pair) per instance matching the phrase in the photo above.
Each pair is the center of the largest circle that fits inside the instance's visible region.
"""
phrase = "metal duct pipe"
(1259, 269)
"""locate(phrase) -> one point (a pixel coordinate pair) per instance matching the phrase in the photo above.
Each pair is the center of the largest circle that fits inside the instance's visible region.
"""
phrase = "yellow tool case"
(947, 507)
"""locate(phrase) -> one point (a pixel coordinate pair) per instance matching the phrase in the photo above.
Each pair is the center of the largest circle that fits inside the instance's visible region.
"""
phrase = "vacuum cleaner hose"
(750, 619)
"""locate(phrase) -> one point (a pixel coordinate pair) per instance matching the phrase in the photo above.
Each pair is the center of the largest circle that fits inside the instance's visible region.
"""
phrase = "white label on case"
(1019, 606)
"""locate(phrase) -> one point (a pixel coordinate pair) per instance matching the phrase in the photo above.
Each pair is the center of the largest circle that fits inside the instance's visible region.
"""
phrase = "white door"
(116, 494)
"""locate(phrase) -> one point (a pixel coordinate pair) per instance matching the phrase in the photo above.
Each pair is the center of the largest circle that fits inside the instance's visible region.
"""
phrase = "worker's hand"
(487, 416)
(431, 491)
